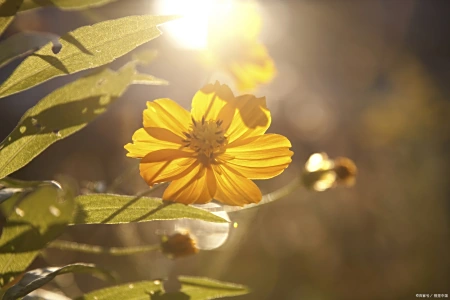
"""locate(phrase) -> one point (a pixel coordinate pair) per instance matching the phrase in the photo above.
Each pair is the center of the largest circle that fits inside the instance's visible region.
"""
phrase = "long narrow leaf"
(35, 279)
(84, 48)
(23, 43)
(193, 288)
(8, 9)
(64, 112)
(116, 209)
(64, 4)
(39, 218)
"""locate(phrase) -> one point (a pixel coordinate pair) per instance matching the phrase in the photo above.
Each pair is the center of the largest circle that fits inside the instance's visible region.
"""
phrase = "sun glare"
(191, 31)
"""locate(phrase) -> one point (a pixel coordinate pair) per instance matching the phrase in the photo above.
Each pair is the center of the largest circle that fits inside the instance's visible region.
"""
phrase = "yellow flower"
(233, 47)
(210, 152)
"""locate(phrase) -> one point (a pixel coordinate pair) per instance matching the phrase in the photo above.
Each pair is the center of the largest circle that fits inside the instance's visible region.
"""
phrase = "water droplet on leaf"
(54, 211)
(57, 133)
(19, 212)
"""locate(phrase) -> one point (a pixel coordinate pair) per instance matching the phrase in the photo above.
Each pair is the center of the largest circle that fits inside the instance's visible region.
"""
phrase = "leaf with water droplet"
(35, 279)
(84, 48)
(64, 112)
(10, 187)
(27, 232)
(193, 288)
(7, 193)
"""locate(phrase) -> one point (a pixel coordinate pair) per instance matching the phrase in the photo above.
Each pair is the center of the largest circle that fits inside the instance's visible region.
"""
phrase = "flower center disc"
(207, 138)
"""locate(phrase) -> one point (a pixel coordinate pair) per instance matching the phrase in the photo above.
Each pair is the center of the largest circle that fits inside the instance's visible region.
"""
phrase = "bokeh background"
(367, 80)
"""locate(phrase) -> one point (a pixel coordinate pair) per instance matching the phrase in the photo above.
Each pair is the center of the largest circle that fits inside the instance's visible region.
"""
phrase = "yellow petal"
(261, 169)
(257, 143)
(167, 114)
(213, 100)
(165, 165)
(260, 157)
(196, 186)
(252, 118)
(146, 140)
(233, 188)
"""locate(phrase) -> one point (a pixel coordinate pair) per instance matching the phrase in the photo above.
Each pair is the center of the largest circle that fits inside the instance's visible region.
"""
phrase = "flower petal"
(165, 165)
(233, 188)
(146, 140)
(167, 114)
(263, 142)
(260, 157)
(212, 101)
(252, 118)
(196, 186)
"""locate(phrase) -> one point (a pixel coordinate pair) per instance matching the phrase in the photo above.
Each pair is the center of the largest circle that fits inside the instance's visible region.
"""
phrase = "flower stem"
(151, 190)
(267, 198)
(72, 246)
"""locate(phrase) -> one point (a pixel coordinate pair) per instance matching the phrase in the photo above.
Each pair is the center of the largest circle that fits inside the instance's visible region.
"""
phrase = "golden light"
(191, 31)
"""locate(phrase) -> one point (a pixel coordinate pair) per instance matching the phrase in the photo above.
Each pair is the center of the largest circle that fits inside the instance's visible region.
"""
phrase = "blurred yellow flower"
(233, 47)
(210, 152)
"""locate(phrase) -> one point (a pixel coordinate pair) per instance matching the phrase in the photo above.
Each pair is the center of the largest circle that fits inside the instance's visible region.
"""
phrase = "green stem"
(72, 246)
(267, 198)
(151, 190)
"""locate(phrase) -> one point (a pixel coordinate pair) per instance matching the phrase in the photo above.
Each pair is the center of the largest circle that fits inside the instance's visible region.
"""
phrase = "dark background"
(363, 79)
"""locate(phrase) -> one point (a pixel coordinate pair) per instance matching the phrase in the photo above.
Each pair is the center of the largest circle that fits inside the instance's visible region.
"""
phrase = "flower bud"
(178, 245)
(345, 170)
(321, 173)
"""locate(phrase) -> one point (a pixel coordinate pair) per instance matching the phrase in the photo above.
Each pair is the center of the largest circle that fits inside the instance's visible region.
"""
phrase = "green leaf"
(64, 112)
(145, 57)
(94, 249)
(200, 288)
(10, 187)
(6, 193)
(16, 183)
(64, 4)
(116, 209)
(8, 9)
(192, 288)
(35, 279)
(39, 218)
(84, 48)
(23, 43)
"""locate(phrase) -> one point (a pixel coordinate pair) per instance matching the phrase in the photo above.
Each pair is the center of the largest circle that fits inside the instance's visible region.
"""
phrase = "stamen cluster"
(207, 138)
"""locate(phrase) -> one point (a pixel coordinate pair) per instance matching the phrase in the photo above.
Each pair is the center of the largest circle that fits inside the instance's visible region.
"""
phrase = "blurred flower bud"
(178, 245)
(207, 235)
(322, 173)
(345, 170)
